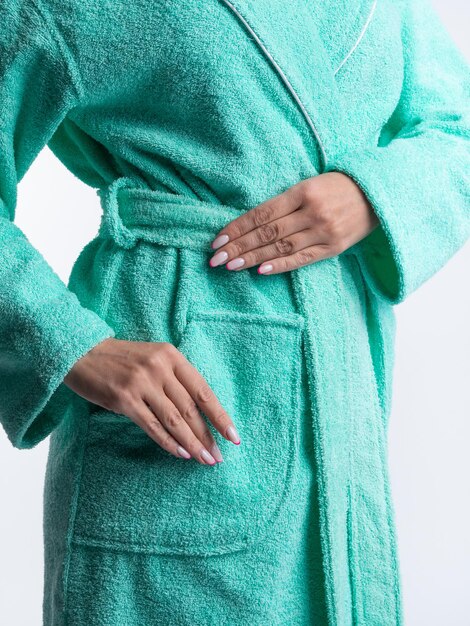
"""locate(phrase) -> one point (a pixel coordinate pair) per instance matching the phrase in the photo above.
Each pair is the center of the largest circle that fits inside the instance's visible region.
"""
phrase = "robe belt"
(132, 212)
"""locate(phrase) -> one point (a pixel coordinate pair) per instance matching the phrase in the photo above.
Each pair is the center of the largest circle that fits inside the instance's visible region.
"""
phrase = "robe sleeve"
(44, 329)
(417, 179)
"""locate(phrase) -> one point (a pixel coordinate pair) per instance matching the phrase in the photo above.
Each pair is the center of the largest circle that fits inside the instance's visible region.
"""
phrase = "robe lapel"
(305, 48)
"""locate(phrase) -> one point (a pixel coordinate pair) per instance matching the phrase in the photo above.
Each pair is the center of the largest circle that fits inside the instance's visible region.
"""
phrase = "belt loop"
(111, 222)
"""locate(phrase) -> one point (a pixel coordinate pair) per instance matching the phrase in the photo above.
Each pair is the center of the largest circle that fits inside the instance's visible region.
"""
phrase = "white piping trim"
(371, 13)
(282, 75)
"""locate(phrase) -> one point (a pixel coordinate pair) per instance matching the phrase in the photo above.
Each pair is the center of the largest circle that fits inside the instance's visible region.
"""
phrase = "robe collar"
(307, 47)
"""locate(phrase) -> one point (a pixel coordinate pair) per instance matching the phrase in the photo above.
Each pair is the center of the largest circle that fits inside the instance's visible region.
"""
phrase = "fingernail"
(264, 267)
(208, 457)
(234, 263)
(219, 241)
(218, 258)
(182, 452)
(233, 435)
(216, 453)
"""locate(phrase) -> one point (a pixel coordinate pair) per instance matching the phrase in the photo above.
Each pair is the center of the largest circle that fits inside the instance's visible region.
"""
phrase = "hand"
(315, 219)
(158, 389)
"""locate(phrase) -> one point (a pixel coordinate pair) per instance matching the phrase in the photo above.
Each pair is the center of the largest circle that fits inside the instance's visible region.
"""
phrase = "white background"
(428, 435)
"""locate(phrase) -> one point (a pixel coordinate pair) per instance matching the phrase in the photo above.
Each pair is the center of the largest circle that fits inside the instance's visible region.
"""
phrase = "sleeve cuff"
(30, 414)
(378, 253)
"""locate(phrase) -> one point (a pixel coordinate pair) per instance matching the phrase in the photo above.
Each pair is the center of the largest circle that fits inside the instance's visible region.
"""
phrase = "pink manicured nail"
(235, 263)
(208, 458)
(220, 241)
(182, 452)
(218, 258)
(233, 435)
(216, 453)
(264, 267)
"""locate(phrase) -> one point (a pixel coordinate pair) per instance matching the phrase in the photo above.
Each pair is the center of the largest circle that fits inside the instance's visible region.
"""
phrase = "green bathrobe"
(182, 115)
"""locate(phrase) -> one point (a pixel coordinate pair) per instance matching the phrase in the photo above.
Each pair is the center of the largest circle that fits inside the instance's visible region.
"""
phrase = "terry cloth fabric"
(208, 109)
(278, 580)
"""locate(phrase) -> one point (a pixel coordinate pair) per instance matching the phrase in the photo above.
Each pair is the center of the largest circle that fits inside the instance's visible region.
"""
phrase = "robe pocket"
(136, 495)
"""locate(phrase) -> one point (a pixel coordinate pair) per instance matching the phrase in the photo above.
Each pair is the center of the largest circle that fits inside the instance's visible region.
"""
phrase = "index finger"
(269, 210)
(205, 398)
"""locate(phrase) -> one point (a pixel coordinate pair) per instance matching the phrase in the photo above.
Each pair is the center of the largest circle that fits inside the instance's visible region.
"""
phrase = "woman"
(326, 145)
